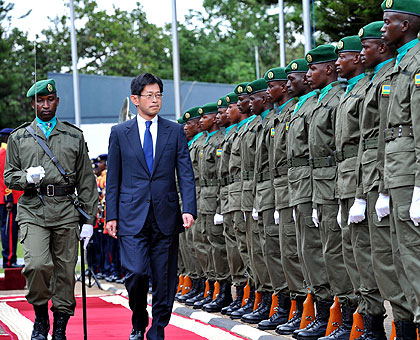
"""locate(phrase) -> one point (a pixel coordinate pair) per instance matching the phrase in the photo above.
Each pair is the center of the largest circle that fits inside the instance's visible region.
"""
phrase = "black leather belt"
(370, 143)
(247, 175)
(322, 162)
(348, 152)
(297, 161)
(52, 190)
(397, 132)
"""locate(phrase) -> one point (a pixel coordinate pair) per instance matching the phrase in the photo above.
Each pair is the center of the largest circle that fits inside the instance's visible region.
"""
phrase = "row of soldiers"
(306, 182)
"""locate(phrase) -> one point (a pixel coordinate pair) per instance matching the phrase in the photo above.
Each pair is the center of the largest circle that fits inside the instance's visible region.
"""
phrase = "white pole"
(307, 25)
(282, 36)
(257, 63)
(75, 71)
(175, 61)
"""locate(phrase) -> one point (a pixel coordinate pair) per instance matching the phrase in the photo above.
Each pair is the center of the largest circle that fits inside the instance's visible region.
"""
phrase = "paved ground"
(216, 319)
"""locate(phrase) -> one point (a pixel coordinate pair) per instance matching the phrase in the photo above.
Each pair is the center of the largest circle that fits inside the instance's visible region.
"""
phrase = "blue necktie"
(148, 146)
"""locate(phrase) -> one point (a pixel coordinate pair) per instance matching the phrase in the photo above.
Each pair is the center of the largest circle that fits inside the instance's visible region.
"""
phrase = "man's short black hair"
(138, 83)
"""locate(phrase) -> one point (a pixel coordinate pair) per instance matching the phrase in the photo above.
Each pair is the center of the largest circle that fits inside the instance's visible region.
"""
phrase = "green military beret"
(43, 88)
(232, 98)
(349, 44)
(191, 113)
(321, 54)
(371, 31)
(275, 74)
(297, 66)
(256, 86)
(240, 89)
(207, 109)
(181, 120)
(402, 6)
(222, 102)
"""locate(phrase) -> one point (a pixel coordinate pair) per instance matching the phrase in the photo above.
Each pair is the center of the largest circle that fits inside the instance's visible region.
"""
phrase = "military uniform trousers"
(9, 234)
(192, 265)
(383, 262)
(310, 253)
(406, 246)
(236, 265)
(256, 256)
(270, 242)
(203, 248)
(371, 301)
(50, 259)
(289, 255)
(218, 247)
(182, 270)
(239, 228)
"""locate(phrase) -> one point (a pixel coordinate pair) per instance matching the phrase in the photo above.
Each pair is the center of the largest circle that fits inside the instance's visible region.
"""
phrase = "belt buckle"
(50, 190)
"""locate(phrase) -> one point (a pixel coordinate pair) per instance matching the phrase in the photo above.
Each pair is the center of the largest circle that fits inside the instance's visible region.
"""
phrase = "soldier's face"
(207, 121)
(275, 90)
(317, 76)
(192, 127)
(148, 107)
(295, 84)
(221, 117)
(233, 113)
(392, 31)
(346, 63)
(46, 106)
(243, 104)
(257, 101)
(370, 52)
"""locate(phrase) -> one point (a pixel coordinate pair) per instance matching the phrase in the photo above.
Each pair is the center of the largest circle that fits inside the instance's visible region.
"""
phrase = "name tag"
(386, 90)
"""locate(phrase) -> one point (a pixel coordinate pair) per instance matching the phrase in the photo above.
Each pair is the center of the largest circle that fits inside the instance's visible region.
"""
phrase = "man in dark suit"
(144, 155)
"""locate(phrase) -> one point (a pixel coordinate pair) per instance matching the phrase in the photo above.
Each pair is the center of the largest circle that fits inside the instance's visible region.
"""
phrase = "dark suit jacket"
(130, 187)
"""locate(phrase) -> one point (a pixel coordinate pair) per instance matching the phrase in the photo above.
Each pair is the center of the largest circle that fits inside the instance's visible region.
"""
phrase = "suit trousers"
(150, 250)
(9, 235)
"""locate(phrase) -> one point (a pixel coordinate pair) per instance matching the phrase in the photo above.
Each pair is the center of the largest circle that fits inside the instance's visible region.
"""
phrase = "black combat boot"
(60, 325)
(342, 332)
(193, 292)
(237, 303)
(405, 330)
(205, 300)
(294, 323)
(318, 327)
(280, 316)
(261, 313)
(247, 308)
(200, 295)
(373, 328)
(222, 300)
(41, 324)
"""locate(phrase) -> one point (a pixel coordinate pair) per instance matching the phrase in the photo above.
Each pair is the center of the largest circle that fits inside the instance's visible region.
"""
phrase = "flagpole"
(74, 58)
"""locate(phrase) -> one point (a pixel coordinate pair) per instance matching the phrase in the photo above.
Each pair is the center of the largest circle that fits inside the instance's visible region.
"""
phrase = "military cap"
(232, 98)
(349, 44)
(207, 109)
(102, 157)
(371, 31)
(240, 89)
(297, 66)
(222, 102)
(180, 120)
(43, 88)
(402, 6)
(256, 86)
(191, 113)
(275, 74)
(6, 131)
(321, 54)
(94, 163)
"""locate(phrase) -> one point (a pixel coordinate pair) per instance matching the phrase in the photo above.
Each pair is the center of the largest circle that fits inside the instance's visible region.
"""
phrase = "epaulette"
(21, 126)
(73, 126)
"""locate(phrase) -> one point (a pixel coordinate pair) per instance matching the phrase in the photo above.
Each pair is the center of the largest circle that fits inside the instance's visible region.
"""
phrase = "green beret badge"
(340, 45)
(240, 89)
(187, 115)
(308, 59)
(50, 88)
(361, 32)
(200, 111)
(249, 89)
(270, 75)
(227, 99)
(219, 102)
(294, 66)
(388, 3)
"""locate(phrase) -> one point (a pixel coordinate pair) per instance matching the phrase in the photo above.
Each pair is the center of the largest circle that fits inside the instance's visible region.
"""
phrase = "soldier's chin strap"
(63, 172)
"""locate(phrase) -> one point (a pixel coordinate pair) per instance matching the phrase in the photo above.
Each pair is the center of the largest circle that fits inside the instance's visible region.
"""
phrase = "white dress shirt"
(141, 122)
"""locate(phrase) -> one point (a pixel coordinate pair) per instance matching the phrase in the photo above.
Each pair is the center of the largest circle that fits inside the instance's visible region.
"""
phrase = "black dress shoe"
(136, 335)
(111, 278)
(14, 265)
(201, 303)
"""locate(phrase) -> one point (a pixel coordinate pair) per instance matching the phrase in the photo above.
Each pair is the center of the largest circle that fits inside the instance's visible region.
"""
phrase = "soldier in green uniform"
(284, 104)
(377, 55)
(48, 218)
(240, 105)
(355, 235)
(208, 203)
(402, 160)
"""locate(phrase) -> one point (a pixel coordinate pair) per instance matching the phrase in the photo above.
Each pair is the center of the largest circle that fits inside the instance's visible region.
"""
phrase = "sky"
(158, 12)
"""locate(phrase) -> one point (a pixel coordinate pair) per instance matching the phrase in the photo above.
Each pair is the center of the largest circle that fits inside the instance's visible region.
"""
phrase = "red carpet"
(105, 321)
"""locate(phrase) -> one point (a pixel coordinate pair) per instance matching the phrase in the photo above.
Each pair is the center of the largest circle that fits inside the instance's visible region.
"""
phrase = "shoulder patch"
(218, 152)
(386, 90)
(272, 132)
(417, 80)
(73, 126)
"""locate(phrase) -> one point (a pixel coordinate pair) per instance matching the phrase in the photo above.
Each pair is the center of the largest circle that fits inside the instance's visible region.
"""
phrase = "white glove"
(357, 211)
(254, 214)
(339, 216)
(415, 206)
(276, 217)
(86, 234)
(218, 219)
(244, 216)
(294, 214)
(315, 217)
(34, 175)
(382, 206)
